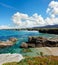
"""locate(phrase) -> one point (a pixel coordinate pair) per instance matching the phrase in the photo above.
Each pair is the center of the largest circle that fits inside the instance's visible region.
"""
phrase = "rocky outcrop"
(24, 45)
(41, 42)
(7, 43)
(13, 39)
(52, 42)
(50, 31)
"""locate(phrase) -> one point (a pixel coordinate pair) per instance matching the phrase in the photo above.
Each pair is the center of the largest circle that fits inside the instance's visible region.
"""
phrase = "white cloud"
(53, 8)
(24, 20)
(8, 27)
(51, 21)
(4, 27)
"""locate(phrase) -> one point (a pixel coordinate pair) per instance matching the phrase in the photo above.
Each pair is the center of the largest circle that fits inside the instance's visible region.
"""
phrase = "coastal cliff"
(50, 31)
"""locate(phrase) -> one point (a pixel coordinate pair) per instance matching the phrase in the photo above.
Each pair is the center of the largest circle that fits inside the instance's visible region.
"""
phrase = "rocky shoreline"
(50, 31)
(8, 43)
(40, 42)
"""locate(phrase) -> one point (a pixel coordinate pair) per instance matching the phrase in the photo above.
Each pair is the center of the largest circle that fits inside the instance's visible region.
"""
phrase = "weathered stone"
(32, 45)
(13, 39)
(6, 44)
(24, 45)
(32, 39)
(43, 42)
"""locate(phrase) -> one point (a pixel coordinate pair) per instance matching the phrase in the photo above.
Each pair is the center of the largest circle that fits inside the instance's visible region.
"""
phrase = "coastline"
(4, 58)
(8, 57)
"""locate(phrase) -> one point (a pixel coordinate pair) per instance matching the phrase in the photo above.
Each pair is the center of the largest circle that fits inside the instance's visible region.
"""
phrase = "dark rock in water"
(42, 42)
(50, 31)
(24, 45)
(32, 39)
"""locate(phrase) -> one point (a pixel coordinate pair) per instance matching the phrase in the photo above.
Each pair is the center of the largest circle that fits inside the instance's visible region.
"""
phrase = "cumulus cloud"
(53, 8)
(51, 21)
(25, 21)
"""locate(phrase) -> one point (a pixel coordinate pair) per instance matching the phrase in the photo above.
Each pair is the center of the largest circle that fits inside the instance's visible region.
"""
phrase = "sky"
(28, 13)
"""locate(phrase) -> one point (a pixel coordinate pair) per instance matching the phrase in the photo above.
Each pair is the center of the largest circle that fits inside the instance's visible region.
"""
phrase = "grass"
(40, 60)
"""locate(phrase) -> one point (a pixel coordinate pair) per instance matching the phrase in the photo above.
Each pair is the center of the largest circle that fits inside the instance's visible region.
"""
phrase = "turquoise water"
(22, 36)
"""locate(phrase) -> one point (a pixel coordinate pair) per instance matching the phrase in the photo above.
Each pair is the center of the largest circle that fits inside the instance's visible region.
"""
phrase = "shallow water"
(22, 37)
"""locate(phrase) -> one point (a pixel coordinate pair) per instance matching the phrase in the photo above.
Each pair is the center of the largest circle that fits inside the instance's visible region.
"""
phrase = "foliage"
(41, 53)
(26, 50)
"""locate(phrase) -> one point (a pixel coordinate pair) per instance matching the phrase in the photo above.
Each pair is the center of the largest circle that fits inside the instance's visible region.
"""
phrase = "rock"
(53, 42)
(32, 39)
(6, 44)
(32, 45)
(13, 39)
(29, 38)
(42, 42)
(7, 57)
(50, 31)
(24, 45)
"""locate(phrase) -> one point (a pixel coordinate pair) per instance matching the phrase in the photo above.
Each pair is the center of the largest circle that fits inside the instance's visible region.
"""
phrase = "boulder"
(13, 39)
(24, 45)
(6, 44)
(32, 45)
(41, 39)
(53, 42)
(32, 39)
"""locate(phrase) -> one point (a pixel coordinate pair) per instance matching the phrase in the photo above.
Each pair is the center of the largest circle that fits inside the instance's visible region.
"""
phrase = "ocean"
(22, 36)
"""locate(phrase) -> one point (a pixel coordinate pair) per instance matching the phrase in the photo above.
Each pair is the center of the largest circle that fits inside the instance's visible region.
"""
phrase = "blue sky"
(9, 7)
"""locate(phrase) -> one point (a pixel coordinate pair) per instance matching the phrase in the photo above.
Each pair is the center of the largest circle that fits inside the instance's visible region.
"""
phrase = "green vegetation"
(26, 50)
(41, 60)
(41, 53)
